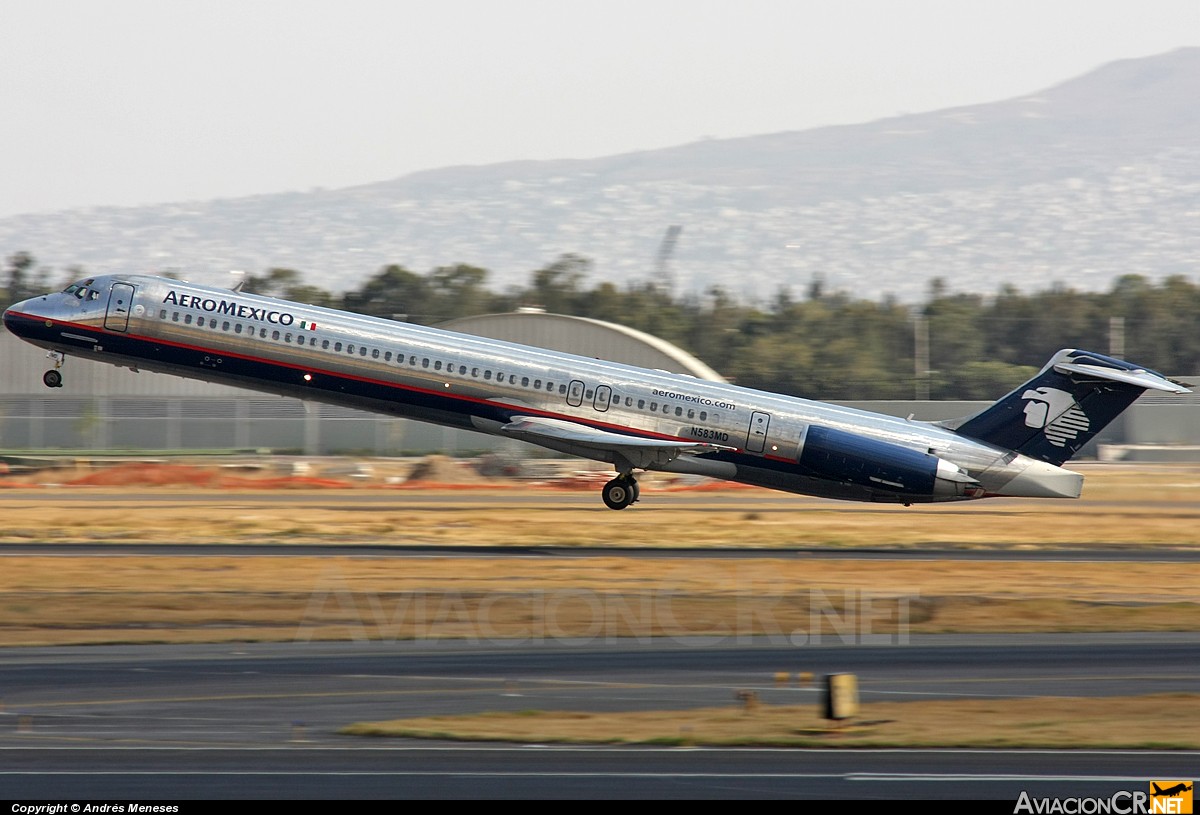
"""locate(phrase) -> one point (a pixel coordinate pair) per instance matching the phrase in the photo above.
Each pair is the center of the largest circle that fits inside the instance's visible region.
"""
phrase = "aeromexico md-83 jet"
(633, 418)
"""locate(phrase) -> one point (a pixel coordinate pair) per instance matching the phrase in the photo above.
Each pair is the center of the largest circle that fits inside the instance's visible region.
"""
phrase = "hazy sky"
(143, 101)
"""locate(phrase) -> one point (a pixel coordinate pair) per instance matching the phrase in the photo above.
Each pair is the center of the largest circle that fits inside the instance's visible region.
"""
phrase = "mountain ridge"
(1091, 178)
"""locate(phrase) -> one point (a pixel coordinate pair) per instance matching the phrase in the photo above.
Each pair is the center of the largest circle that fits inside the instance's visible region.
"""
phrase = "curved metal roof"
(585, 337)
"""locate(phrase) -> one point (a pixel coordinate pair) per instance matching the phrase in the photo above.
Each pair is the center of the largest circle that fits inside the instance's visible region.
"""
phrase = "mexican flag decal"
(307, 326)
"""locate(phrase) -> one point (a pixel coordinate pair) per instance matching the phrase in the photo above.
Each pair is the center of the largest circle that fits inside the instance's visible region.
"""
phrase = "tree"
(273, 284)
(17, 286)
(457, 291)
(556, 287)
(394, 292)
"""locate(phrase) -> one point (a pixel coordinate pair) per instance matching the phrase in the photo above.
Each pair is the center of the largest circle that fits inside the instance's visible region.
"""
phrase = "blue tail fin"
(1061, 409)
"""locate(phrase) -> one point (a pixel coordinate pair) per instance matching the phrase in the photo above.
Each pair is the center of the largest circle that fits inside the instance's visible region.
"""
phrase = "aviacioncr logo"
(1056, 412)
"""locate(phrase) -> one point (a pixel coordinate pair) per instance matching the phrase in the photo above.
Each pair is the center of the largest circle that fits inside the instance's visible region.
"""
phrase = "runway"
(261, 721)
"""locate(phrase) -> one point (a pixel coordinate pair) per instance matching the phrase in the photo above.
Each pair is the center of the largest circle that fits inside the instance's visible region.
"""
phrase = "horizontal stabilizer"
(1139, 376)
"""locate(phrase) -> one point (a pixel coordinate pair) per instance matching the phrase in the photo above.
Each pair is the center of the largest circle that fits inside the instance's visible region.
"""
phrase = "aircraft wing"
(579, 439)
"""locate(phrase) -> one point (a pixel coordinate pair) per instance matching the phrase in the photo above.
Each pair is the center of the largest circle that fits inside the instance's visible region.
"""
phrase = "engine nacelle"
(880, 465)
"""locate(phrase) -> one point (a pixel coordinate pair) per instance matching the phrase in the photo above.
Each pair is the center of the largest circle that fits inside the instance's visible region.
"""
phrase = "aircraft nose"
(18, 316)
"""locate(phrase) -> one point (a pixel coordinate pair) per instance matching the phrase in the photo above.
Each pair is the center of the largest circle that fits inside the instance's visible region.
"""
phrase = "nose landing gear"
(621, 491)
(52, 378)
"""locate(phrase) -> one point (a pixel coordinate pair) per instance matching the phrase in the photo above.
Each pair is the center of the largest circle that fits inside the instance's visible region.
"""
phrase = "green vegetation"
(829, 345)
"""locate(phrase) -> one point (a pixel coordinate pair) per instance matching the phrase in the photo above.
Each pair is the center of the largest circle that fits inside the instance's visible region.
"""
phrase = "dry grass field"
(1146, 722)
(92, 598)
(1122, 505)
(96, 598)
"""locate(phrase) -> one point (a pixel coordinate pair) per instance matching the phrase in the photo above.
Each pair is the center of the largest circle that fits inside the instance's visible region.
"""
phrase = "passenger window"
(187, 319)
(287, 337)
(588, 394)
(425, 362)
(462, 370)
(487, 374)
(499, 376)
(237, 328)
(562, 389)
(691, 413)
(174, 316)
(475, 372)
(387, 356)
(437, 365)
(300, 339)
(162, 315)
(225, 326)
(641, 404)
(703, 415)
(412, 360)
(350, 348)
(337, 346)
(678, 411)
(274, 335)
(262, 332)
(325, 345)
(654, 407)
(362, 351)
(524, 382)
(200, 322)
(550, 387)
(628, 401)
(537, 384)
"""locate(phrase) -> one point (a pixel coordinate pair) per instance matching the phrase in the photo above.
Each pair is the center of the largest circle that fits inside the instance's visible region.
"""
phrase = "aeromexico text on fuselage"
(232, 308)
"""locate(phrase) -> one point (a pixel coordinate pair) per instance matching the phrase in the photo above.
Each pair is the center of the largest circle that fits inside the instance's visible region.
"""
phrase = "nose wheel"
(52, 378)
(620, 492)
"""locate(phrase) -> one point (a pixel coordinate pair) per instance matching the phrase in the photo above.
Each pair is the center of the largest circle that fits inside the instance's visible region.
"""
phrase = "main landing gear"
(52, 378)
(621, 491)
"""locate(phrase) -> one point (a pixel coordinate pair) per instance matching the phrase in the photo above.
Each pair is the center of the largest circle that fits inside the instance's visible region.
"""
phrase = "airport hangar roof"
(585, 337)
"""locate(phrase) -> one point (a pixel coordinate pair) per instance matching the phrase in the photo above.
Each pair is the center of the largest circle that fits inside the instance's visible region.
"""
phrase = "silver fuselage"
(400, 369)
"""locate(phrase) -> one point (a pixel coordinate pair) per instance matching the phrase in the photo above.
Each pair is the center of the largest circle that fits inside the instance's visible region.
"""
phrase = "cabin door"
(120, 300)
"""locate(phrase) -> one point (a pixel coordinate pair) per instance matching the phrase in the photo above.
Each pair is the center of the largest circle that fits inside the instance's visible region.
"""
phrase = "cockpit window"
(82, 291)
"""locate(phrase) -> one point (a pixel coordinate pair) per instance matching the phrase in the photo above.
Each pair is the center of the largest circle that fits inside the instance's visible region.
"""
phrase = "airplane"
(1170, 792)
(636, 419)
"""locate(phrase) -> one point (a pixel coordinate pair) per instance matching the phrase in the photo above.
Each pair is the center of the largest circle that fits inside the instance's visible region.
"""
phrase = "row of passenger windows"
(300, 338)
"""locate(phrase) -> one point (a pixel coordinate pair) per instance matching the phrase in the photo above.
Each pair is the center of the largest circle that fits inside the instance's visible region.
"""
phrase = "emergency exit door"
(756, 438)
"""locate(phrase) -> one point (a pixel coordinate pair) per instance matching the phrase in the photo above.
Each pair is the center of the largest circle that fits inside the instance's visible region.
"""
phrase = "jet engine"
(880, 465)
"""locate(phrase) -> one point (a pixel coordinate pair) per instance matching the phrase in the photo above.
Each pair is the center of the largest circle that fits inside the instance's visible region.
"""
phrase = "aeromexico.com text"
(231, 308)
(687, 397)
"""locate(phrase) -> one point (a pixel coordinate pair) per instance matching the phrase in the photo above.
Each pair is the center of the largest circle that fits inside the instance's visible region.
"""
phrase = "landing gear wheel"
(637, 491)
(619, 493)
(52, 379)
